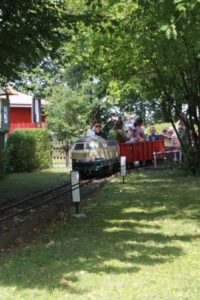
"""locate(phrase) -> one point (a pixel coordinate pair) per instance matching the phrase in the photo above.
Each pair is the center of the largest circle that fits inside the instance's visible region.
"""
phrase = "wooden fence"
(61, 153)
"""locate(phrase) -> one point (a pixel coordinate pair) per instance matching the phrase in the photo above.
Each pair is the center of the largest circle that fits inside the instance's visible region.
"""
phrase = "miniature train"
(94, 155)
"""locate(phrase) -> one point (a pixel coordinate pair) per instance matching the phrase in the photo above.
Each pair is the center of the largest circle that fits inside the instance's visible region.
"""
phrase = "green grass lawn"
(18, 185)
(140, 240)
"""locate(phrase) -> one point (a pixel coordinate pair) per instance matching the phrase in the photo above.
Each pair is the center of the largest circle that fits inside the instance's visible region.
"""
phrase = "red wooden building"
(25, 111)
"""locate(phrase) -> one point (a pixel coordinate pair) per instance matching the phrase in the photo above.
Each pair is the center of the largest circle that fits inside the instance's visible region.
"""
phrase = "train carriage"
(141, 151)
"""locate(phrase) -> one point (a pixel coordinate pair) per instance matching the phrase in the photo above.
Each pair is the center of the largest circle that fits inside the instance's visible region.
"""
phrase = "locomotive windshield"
(79, 146)
(86, 146)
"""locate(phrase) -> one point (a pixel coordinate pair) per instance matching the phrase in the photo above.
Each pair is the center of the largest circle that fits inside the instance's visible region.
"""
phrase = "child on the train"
(153, 135)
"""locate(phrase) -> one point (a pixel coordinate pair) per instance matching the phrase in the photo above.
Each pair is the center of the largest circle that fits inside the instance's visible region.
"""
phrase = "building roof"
(22, 100)
(18, 99)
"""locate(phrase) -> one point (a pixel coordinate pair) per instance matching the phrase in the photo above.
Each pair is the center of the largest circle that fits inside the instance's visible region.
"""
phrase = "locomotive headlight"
(92, 145)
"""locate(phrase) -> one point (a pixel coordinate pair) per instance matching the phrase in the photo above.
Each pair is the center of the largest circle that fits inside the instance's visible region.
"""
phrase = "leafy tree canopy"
(31, 29)
(150, 47)
(131, 47)
(70, 110)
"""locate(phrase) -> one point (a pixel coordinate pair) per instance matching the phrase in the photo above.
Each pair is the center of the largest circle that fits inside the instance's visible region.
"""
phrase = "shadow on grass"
(167, 195)
(118, 236)
(27, 183)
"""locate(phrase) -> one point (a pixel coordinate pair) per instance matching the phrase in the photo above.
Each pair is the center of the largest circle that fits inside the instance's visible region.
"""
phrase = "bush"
(29, 149)
(191, 162)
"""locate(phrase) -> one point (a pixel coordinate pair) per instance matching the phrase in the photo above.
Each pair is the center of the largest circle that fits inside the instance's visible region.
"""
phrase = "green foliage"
(37, 81)
(71, 110)
(148, 47)
(67, 112)
(159, 127)
(29, 149)
(28, 30)
(33, 30)
(191, 162)
(133, 48)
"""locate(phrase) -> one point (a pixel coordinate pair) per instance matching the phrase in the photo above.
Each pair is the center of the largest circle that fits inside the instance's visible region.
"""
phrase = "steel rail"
(33, 197)
(42, 202)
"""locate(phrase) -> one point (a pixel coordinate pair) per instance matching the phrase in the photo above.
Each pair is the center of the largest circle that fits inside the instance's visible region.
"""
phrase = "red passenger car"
(141, 151)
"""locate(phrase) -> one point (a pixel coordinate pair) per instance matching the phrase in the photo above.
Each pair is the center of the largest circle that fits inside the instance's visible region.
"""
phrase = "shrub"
(29, 149)
(191, 162)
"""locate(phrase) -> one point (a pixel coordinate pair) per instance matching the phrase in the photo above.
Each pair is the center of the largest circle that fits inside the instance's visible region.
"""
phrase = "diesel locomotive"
(94, 155)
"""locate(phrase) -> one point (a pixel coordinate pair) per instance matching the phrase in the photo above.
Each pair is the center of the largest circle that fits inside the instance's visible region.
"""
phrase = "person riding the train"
(118, 133)
(139, 131)
(96, 130)
(133, 138)
(153, 135)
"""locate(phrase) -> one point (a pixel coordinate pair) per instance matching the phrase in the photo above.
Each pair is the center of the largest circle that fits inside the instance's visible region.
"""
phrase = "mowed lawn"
(19, 185)
(140, 240)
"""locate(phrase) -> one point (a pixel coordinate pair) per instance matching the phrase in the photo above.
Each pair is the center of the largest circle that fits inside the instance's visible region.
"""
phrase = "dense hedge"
(29, 149)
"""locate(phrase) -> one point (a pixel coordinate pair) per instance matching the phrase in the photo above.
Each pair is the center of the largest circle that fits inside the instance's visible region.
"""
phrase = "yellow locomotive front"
(91, 155)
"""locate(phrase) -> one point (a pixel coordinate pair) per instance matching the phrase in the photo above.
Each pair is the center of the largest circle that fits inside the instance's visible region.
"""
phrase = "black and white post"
(75, 185)
(123, 167)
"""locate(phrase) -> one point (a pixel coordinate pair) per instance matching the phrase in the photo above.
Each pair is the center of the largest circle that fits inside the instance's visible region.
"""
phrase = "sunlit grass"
(140, 240)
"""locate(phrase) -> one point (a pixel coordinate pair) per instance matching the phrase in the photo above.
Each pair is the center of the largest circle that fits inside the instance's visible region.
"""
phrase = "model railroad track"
(9, 210)
(14, 213)
(20, 218)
